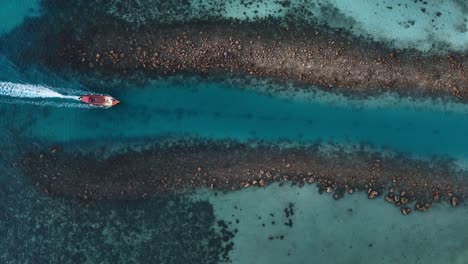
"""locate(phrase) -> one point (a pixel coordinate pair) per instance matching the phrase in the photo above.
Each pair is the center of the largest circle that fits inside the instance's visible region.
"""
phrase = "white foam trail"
(73, 97)
(45, 103)
(20, 90)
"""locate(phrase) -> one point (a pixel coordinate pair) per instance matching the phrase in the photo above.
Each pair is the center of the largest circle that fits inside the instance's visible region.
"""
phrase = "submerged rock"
(372, 194)
(404, 200)
(390, 198)
(405, 210)
(422, 207)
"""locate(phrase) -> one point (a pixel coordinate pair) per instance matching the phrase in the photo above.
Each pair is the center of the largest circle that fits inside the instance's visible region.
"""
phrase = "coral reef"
(183, 166)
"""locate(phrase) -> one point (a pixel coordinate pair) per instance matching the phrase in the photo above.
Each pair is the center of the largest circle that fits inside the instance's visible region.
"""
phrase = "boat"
(105, 101)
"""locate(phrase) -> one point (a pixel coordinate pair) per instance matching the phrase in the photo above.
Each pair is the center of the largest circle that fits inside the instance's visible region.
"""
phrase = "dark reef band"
(308, 55)
(186, 166)
(171, 41)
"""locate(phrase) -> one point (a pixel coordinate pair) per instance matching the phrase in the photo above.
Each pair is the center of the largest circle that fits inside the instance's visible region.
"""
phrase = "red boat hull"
(99, 100)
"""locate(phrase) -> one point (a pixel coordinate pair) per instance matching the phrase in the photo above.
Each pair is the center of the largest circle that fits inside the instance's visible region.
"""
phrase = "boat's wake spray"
(20, 90)
(20, 93)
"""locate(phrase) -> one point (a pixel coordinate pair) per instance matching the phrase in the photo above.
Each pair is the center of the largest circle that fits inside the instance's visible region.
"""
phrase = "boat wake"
(71, 104)
(31, 91)
(37, 87)
(21, 93)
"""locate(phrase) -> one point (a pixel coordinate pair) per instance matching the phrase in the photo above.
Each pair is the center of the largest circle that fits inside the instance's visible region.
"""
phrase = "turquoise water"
(14, 12)
(424, 25)
(199, 227)
(353, 230)
(216, 110)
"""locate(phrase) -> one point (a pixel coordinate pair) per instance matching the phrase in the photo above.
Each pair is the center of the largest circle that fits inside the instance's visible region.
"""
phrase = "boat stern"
(85, 99)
